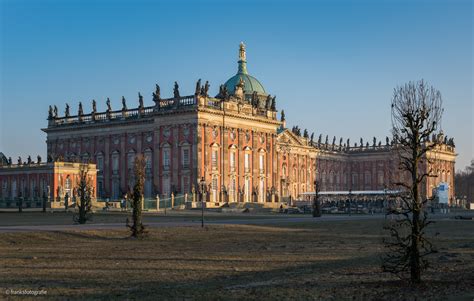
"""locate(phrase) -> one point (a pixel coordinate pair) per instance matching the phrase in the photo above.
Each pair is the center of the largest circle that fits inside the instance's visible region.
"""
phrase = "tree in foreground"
(137, 228)
(84, 191)
(416, 115)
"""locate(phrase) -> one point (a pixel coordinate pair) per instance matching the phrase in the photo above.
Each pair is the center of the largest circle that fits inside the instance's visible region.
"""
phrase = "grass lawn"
(311, 261)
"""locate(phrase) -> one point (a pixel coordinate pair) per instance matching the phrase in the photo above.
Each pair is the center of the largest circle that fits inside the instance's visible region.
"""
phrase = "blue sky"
(331, 64)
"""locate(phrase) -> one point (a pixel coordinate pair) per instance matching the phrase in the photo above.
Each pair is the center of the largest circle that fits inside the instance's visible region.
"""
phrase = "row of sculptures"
(28, 161)
(201, 90)
(333, 146)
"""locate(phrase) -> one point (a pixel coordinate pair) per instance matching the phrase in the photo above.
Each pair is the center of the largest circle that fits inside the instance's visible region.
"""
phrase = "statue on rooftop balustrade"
(94, 107)
(9, 160)
(282, 116)
(66, 111)
(198, 88)
(55, 112)
(38, 158)
(273, 104)
(28, 160)
(50, 113)
(19, 160)
(109, 108)
(361, 142)
(334, 140)
(156, 94)
(312, 138)
(206, 89)
(124, 104)
(320, 139)
(387, 140)
(327, 140)
(375, 142)
(140, 101)
(268, 102)
(348, 143)
(176, 90)
(80, 112)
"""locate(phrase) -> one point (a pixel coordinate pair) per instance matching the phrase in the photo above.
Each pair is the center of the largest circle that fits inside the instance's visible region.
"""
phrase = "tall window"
(214, 158)
(115, 162)
(247, 189)
(148, 159)
(186, 185)
(100, 163)
(261, 190)
(232, 189)
(232, 160)
(130, 159)
(185, 158)
(214, 189)
(166, 158)
(367, 178)
(247, 162)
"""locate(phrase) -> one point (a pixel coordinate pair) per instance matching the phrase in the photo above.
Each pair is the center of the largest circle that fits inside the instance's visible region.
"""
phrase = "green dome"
(251, 84)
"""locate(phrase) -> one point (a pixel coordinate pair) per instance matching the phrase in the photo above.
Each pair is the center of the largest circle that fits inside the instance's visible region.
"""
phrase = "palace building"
(234, 141)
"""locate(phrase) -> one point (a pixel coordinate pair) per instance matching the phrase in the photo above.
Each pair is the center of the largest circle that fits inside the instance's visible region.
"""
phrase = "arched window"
(148, 154)
(100, 163)
(131, 159)
(283, 171)
(115, 162)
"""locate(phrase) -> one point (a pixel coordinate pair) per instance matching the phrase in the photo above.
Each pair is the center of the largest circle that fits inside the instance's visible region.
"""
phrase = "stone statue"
(94, 107)
(19, 160)
(140, 101)
(361, 142)
(305, 134)
(320, 139)
(206, 88)
(312, 138)
(254, 99)
(28, 160)
(198, 87)
(387, 140)
(55, 112)
(334, 140)
(282, 115)
(156, 94)
(66, 111)
(9, 160)
(124, 104)
(375, 142)
(176, 90)
(109, 108)
(327, 140)
(80, 112)
(268, 102)
(348, 143)
(273, 104)
(242, 55)
(367, 144)
(38, 159)
(50, 113)
(340, 142)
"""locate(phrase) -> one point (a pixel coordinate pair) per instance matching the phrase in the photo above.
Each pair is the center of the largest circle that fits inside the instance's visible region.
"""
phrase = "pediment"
(287, 137)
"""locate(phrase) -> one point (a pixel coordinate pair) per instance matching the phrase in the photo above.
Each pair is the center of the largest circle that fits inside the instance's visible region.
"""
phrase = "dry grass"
(330, 260)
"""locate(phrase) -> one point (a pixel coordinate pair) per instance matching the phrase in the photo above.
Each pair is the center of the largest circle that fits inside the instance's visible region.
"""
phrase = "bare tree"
(84, 191)
(416, 115)
(137, 228)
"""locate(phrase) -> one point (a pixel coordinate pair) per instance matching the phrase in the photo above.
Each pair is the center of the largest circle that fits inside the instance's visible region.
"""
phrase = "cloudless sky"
(331, 64)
